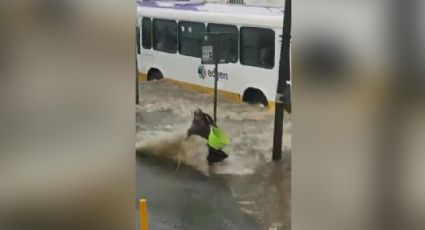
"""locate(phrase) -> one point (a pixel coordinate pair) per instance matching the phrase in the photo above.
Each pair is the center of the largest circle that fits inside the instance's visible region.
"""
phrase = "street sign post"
(282, 87)
(215, 50)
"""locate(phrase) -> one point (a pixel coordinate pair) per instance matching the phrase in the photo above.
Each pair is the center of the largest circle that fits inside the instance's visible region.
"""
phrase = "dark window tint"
(191, 35)
(146, 33)
(165, 35)
(257, 47)
(233, 38)
(138, 39)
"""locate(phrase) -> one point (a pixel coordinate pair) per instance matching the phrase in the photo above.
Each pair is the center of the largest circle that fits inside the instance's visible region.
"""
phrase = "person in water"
(201, 126)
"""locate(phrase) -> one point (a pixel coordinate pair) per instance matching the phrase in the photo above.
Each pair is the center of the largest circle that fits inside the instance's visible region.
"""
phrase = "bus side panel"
(148, 61)
(234, 77)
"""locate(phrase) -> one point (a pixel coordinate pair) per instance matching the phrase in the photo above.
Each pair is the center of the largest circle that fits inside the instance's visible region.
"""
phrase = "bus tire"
(154, 74)
(255, 96)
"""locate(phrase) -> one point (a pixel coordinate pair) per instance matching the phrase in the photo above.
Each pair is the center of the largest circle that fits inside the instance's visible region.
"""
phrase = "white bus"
(169, 46)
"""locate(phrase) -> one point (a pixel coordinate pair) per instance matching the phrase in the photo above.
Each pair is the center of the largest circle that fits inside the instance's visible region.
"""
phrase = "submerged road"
(248, 192)
(186, 199)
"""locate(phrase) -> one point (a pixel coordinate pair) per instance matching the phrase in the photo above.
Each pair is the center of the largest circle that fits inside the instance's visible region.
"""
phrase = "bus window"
(146, 33)
(165, 35)
(191, 35)
(233, 39)
(257, 47)
(138, 39)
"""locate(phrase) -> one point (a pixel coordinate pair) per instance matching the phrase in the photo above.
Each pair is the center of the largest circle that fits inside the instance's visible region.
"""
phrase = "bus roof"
(270, 16)
(214, 7)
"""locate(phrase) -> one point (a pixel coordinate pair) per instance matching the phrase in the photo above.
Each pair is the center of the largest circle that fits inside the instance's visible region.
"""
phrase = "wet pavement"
(247, 191)
(187, 199)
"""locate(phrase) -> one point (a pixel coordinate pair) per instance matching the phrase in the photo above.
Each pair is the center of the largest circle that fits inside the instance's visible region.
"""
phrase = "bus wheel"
(254, 96)
(154, 74)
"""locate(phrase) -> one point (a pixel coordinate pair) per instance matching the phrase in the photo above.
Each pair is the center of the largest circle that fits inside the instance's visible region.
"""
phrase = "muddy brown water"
(248, 191)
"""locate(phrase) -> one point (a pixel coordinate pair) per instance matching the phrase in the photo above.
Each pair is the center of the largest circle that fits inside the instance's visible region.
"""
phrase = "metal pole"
(284, 74)
(137, 83)
(137, 67)
(215, 91)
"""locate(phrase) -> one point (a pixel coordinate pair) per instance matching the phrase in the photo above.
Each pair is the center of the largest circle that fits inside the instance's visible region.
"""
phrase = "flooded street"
(246, 191)
(187, 199)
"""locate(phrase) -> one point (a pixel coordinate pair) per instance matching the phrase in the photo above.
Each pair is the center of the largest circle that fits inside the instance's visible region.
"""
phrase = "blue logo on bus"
(202, 72)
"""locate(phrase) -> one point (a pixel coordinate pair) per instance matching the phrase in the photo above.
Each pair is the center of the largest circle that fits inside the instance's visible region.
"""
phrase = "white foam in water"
(175, 146)
(234, 165)
(193, 152)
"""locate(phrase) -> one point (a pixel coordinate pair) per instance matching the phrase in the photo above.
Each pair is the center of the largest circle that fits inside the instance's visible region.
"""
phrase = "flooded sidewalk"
(258, 187)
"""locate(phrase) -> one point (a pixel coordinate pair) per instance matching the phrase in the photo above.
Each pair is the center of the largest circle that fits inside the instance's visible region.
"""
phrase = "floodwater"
(246, 191)
(187, 199)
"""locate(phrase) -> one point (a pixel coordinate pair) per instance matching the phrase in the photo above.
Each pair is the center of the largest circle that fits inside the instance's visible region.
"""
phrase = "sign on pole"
(215, 50)
(207, 54)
